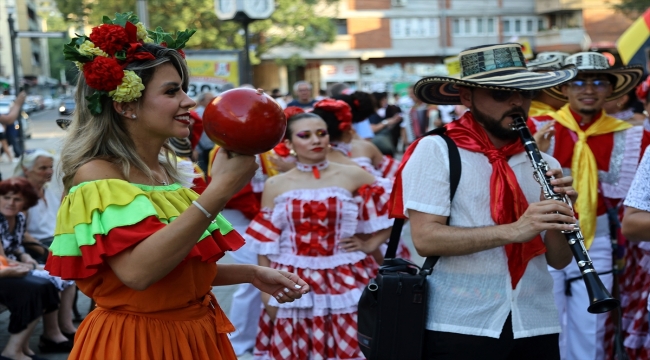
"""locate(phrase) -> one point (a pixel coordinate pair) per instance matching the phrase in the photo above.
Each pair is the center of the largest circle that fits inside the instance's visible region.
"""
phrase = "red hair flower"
(340, 109)
(110, 38)
(103, 74)
(293, 111)
(642, 90)
(282, 150)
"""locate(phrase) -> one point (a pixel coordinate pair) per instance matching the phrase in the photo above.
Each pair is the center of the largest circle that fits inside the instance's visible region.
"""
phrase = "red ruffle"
(210, 249)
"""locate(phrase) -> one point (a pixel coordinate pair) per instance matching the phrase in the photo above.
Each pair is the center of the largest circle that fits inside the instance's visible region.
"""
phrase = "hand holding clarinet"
(559, 197)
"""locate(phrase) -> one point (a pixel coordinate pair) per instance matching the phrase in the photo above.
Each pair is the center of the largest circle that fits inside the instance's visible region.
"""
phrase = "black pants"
(27, 298)
(451, 346)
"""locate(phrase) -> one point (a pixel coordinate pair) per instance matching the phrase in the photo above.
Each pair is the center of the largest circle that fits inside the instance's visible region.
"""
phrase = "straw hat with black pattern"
(493, 67)
(626, 78)
(549, 60)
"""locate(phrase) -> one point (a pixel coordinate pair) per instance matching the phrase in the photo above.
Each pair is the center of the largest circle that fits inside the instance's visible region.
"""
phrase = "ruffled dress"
(175, 318)
(387, 170)
(301, 234)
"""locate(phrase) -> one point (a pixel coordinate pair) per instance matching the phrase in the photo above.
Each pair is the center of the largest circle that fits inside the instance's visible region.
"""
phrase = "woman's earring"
(292, 153)
(133, 116)
(123, 112)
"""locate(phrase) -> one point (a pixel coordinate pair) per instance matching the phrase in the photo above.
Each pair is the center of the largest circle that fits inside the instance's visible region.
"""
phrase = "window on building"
(479, 26)
(490, 26)
(341, 26)
(467, 29)
(404, 28)
(525, 25)
(456, 27)
(541, 25)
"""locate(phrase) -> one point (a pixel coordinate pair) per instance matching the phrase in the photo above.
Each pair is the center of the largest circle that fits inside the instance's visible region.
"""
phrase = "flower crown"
(108, 50)
(642, 90)
(340, 109)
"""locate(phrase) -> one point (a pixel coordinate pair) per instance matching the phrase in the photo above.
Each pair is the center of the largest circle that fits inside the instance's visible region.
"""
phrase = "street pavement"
(48, 136)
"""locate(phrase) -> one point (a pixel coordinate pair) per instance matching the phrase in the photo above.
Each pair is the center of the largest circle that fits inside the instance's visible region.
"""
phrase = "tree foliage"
(296, 23)
(632, 8)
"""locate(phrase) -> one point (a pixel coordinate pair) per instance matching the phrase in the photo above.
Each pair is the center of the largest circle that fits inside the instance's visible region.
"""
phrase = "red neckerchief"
(507, 201)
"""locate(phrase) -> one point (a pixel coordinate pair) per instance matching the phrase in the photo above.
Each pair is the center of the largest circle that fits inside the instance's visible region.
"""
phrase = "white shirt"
(638, 196)
(41, 218)
(363, 129)
(472, 294)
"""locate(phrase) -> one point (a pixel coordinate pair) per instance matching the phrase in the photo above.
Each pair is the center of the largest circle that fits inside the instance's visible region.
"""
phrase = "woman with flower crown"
(310, 223)
(134, 237)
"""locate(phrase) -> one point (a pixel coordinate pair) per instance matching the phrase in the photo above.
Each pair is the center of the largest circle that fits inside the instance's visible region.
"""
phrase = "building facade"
(383, 45)
(31, 53)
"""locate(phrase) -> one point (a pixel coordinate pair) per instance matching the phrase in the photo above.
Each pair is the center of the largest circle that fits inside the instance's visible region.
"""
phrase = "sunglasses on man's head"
(504, 95)
(581, 85)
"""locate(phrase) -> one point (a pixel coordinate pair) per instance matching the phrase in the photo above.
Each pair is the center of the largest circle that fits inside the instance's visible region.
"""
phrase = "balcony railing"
(561, 38)
(549, 6)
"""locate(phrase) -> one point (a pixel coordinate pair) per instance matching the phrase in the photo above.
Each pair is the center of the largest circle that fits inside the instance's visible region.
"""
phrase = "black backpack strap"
(454, 179)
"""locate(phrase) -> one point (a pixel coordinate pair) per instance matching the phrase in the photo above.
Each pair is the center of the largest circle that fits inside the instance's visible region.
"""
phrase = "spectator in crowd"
(18, 195)
(4, 144)
(27, 297)
(202, 150)
(363, 106)
(12, 115)
(37, 166)
(277, 95)
(417, 122)
(385, 124)
(627, 108)
(302, 92)
(322, 94)
(339, 89)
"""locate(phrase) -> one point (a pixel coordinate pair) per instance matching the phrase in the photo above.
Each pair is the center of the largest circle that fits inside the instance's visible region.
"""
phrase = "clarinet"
(600, 299)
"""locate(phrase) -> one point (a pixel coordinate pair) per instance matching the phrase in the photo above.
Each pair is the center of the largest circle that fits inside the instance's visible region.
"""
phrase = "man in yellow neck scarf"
(601, 153)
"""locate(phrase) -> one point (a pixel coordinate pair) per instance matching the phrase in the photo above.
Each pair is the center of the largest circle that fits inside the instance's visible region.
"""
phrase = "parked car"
(67, 107)
(49, 103)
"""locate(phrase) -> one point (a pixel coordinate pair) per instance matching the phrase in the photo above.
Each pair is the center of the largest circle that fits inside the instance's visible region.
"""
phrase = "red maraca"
(244, 121)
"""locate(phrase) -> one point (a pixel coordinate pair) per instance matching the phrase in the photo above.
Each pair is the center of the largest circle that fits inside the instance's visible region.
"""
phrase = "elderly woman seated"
(37, 167)
(17, 195)
(27, 297)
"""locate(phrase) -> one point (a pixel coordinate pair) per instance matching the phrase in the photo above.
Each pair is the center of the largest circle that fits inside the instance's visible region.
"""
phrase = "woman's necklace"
(314, 168)
(164, 183)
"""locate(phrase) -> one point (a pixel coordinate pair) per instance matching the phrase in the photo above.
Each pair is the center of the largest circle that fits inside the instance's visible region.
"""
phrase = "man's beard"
(494, 127)
(589, 112)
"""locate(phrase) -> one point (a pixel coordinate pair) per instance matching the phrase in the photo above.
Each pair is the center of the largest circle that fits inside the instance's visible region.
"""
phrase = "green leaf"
(106, 20)
(120, 55)
(71, 52)
(95, 102)
(169, 40)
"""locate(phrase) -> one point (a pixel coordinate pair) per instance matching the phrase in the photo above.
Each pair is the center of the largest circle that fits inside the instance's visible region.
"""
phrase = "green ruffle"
(95, 207)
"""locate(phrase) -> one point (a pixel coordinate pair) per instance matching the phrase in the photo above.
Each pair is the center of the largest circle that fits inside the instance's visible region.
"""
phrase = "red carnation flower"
(292, 111)
(103, 73)
(110, 38)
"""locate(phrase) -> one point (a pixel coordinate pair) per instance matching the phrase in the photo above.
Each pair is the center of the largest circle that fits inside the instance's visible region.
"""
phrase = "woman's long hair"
(105, 136)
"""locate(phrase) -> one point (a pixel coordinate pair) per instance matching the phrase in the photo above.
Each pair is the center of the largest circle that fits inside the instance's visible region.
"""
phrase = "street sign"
(40, 34)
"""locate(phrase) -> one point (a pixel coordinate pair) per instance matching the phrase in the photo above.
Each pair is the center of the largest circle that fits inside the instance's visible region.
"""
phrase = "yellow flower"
(89, 49)
(130, 89)
(142, 32)
(79, 65)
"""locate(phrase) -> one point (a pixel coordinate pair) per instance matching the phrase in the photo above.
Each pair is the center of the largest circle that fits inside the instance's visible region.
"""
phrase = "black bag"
(393, 307)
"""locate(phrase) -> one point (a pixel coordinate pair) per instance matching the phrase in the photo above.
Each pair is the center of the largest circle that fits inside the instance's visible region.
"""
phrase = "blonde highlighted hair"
(105, 136)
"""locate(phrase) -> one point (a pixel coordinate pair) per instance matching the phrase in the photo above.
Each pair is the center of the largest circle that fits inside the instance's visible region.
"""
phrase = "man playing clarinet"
(490, 293)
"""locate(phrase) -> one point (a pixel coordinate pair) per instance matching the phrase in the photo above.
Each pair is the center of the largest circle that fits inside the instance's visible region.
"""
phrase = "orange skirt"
(107, 334)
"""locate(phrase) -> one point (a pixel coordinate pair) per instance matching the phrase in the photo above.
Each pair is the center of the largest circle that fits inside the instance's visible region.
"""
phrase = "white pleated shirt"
(472, 294)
